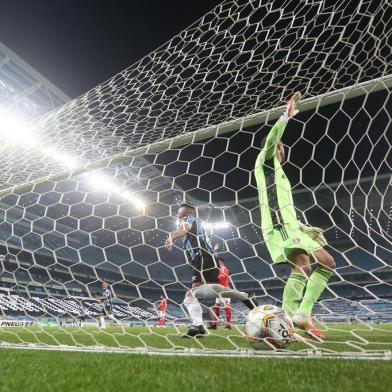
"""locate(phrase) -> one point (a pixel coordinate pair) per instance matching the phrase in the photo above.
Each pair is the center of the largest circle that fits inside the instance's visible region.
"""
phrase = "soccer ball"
(268, 326)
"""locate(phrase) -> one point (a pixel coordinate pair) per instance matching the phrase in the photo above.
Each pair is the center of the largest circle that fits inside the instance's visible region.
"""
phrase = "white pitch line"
(311, 354)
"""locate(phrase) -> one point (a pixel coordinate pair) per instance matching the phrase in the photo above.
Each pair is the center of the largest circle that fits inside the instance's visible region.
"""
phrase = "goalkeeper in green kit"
(287, 240)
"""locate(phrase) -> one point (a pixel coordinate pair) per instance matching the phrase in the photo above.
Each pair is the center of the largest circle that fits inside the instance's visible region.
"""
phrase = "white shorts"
(222, 301)
(162, 314)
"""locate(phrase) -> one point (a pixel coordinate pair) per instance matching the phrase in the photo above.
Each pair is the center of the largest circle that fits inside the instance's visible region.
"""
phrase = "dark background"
(78, 44)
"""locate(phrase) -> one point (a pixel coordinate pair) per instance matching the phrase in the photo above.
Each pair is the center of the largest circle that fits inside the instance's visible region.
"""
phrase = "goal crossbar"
(308, 104)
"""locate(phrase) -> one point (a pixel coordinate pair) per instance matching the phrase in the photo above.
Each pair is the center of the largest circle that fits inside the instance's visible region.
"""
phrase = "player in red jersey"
(223, 279)
(162, 311)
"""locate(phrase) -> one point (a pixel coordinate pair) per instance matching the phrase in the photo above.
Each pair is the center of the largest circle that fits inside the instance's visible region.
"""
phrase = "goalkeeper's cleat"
(304, 322)
(195, 331)
(291, 104)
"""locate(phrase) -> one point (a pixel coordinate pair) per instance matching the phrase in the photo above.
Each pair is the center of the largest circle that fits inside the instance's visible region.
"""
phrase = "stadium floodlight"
(14, 130)
(216, 225)
(213, 225)
(65, 160)
(101, 182)
(137, 201)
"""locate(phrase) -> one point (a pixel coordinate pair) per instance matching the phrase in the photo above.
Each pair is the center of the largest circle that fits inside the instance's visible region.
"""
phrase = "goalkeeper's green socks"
(292, 293)
(314, 288)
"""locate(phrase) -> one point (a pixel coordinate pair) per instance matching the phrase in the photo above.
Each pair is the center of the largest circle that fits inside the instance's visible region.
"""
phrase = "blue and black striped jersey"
(196, 239)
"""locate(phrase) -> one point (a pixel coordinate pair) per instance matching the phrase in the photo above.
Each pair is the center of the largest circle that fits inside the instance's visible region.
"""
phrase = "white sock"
(102, 322)
(194, 309)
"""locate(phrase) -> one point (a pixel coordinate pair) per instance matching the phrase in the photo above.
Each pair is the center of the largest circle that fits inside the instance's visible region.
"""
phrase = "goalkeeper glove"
(315, 233)
(291, 104)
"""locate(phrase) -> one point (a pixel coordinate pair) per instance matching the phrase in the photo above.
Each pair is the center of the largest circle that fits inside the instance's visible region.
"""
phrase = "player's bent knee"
(324, 260)
(332, 264)
(305, 269)
(327, 262)
(300, 262)
(302, 268)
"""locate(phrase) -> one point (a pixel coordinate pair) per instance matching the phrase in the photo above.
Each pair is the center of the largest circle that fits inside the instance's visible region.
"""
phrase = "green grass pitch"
(33, 370)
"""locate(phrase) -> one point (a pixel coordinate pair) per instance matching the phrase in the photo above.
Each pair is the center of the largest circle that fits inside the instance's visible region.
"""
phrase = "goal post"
(61, 236)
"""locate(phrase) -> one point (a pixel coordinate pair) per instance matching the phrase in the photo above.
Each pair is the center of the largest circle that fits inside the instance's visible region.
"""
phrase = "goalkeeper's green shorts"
(282, 242)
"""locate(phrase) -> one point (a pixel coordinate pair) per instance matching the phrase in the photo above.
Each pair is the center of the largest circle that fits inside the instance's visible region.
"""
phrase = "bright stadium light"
(211, 225)
(222, 225)
(101, 182)
(15, 130)
(133, 198)
(216, 225)
(66, 160)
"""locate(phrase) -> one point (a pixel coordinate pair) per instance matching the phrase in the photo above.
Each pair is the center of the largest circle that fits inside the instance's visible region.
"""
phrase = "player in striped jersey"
(205, 270)
(106, 300)
(286, 238)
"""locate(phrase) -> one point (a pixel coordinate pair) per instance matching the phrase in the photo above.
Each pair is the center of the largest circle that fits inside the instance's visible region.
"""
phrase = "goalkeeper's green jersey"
(276, 200)
(281, 229)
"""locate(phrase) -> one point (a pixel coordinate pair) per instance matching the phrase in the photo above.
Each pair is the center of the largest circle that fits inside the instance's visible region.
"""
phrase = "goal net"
(90, 191)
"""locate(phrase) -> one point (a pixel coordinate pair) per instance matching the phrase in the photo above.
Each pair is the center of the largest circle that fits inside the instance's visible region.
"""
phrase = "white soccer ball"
(268, 326)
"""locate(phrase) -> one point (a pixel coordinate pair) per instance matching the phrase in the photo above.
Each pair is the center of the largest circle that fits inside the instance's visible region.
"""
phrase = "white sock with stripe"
(194, 309)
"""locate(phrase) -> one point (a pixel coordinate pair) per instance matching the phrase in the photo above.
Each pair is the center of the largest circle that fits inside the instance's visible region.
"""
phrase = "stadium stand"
(17, 306)
(329, 310)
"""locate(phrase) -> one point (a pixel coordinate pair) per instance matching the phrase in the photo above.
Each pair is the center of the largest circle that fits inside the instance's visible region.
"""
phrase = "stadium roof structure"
(23, 90)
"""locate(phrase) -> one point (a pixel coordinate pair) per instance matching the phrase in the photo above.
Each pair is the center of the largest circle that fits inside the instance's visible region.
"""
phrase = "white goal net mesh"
(90, 191)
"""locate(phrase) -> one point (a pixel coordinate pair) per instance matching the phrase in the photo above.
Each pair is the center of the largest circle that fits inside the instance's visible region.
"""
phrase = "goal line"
(245, 353)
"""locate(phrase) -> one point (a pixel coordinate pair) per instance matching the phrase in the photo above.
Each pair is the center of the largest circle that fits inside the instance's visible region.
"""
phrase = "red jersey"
(223, 277)
(163, 305)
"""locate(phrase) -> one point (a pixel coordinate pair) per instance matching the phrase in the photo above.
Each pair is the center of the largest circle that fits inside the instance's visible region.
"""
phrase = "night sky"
(77, 44)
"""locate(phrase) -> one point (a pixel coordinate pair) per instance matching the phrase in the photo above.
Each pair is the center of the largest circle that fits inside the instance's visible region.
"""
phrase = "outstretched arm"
(180, 232)
(274, 137)
(276, 133)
